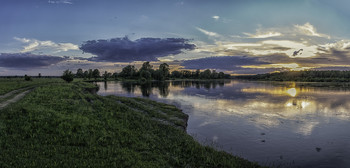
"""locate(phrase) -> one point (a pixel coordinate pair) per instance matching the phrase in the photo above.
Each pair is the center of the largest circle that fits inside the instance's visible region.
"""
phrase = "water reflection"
(292, 92)
(105, 86)
(163, 88)
(260, 121)
(146, 88)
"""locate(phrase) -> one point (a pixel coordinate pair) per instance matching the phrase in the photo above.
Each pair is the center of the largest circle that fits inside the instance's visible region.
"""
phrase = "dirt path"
(9, 94)
(14, 99)
(13, 92)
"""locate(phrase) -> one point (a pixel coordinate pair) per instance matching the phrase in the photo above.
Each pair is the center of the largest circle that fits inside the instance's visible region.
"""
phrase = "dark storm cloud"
(144, 49)
(224, 63)
(28, 60)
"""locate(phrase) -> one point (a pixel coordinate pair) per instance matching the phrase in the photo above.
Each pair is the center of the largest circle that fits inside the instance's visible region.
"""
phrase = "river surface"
(283, 124)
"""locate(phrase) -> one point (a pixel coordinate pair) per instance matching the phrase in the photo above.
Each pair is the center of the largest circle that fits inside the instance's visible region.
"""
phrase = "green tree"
(86, 74)
(145, 75)
(96, 73)
(106, 75)
(221, 75)
(186, 74)
(164, 71)
(146, 71)
(146, 66)
(197, 73)
(115, 75)
(90, 74)
(176, 74)
(214, 75)
(68, 76)
(80, 73)
(128, 72)
(206, 74)
(39, 75)
(156, 75)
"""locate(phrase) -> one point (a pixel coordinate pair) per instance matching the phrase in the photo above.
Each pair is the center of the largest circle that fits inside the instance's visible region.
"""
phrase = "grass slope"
(62, 125)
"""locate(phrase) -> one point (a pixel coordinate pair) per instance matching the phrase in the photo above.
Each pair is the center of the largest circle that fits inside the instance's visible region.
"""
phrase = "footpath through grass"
(63, 125)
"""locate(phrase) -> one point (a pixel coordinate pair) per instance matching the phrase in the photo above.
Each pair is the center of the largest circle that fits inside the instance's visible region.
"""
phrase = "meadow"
(60, 124)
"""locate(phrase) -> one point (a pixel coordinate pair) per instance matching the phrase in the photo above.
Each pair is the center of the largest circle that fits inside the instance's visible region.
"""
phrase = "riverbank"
(64, 125)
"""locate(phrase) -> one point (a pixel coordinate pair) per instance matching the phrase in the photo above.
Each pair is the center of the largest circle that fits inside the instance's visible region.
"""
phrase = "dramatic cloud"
(266, 47)
(309, 30)
(208, 33)
(27, 60)
(228, 63)
(296, 47)
(260, 34)
(36, 45)
(144, 49)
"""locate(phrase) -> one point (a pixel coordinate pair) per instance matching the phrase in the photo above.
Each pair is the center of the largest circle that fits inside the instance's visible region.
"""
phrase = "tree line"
(145, 73)
(302, 76)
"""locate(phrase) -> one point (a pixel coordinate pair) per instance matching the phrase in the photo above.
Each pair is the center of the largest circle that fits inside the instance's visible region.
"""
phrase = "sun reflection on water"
(292, 92)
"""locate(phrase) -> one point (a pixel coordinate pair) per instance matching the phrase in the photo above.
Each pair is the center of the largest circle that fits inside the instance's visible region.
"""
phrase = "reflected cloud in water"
(258, 101)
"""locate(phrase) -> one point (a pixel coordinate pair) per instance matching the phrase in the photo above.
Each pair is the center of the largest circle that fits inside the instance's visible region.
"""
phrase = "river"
(283, 124)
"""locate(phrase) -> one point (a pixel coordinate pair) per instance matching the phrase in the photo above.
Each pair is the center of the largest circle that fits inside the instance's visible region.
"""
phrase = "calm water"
(286, 124)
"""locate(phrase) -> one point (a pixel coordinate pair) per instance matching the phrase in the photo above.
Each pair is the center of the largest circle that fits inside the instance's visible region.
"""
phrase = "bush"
(68, 76)
(27, 78)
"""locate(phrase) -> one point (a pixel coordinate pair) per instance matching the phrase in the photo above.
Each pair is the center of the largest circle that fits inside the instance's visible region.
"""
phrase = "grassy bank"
(63, 125)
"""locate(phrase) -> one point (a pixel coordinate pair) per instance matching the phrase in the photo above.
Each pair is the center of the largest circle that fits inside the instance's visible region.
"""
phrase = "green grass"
(63, 125)
(7, 85)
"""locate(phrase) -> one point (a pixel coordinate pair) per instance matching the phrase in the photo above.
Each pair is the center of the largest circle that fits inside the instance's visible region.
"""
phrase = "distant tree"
(145, 74)
(197, 73)
(80, 73)
(221, 75)
(164, 71)
(128, 72)
(115, 75)
(96, 73)
(86, 74)
(106, 75)
(186, 74)
(176, 74)
(157, 75)
(146, 71)
(214, 75)
(90, 74)
(206, 74)
(39, 75)
(27, 78)
(68, 76)
(146, 66)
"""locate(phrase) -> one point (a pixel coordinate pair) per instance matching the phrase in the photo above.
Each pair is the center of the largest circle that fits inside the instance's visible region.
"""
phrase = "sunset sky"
(234, 36)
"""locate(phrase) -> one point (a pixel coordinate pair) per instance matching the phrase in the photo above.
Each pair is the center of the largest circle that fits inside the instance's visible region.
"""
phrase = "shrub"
(27, 78)
(67, 76)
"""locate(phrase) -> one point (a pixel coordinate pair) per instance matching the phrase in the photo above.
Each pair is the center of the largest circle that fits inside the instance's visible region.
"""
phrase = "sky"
(233, 36)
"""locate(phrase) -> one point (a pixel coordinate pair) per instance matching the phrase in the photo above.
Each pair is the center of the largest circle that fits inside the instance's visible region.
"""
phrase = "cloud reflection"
(264, 104)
